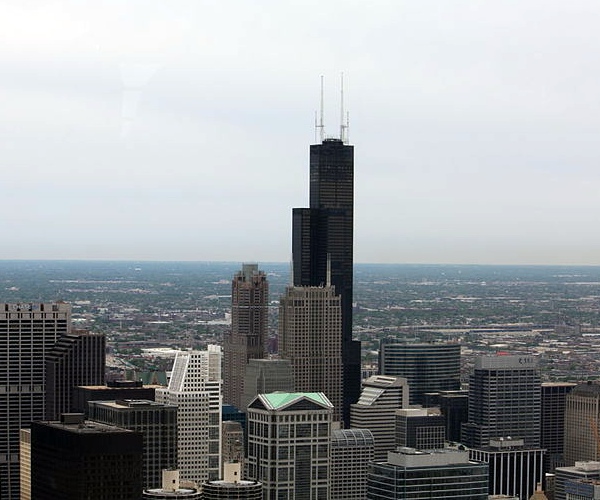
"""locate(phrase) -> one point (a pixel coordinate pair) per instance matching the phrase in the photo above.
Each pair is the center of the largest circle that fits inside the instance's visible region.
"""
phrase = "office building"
(582, 419)
(73, 459)
(310, 337)
(413, 474)
(248, 334)
(504, 400)
(78, 358)
(514, 469)
(173, 488)
(113, 390)
(289, 444)
(582, 490)
(351, 452)
(27, 333)
(195, 388)
(322, 244)
(232, 443)
(267, 375)
(232, 486)
(375, 410)
(420, 428)
(428, 366)
(454, 406)
(581, 471)
(156, 422)
(552, 432)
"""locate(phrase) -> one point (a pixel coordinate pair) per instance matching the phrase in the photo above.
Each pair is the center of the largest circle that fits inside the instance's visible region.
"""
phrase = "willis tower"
(322, 244)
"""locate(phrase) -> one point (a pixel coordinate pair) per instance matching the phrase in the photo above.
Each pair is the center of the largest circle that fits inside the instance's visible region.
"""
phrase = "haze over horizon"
(179, 131)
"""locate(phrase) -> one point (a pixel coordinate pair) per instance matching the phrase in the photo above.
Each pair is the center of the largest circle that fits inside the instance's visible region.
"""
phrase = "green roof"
(278, 400)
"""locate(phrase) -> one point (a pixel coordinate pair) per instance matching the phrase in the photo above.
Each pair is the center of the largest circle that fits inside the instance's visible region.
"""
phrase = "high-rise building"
(310, 337)
(113, 390)
(80, 460)
(454, 405)
(322, 244)
(27, 333)
(351, 452)
(504, 400)
(552, 432)
(78, 358)
(514, 469)
(375, 410)
(195, 388)
(582, 420)
(420, 428)
(267, 375)
(233, 443)
(156, 422)
(413, 474)
(289, 439)
(248, 334)
(428, 366)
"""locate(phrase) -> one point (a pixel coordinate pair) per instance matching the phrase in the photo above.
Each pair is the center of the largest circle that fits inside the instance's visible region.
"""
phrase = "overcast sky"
(179, 130)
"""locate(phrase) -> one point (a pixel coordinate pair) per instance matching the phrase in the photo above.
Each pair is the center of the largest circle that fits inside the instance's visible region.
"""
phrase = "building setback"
(80, 460)
(289, 445)
(248, 334)
(27, 334)
(323, 244)
(155, 421)
(113, 390)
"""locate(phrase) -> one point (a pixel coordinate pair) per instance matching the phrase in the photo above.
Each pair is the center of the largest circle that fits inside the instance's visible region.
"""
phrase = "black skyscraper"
(322, 237)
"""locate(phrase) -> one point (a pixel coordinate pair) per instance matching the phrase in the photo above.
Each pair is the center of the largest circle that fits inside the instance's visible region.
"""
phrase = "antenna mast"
(321, 125)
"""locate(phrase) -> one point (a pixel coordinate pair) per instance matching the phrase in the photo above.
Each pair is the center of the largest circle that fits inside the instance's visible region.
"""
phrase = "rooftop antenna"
(321, 126)
(344, 120)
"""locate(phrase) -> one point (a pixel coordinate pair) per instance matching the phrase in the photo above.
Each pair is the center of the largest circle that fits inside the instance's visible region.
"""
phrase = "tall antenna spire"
(321, 125)
(344, 118)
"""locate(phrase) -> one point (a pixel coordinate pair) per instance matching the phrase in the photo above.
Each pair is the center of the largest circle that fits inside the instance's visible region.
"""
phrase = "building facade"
(73, 459)
(27, 334)
(156, 422)
(249, 328)
(552, 432)
(232, 486)
(412, 474)
(375, 410)
(582, 420)
(323, 244)
(195, 388)
(289, 440)
(581, 471)
(420, 428)
(428, 367)
(351, 452)
(504, 400)
(310, 337)
(78, 358)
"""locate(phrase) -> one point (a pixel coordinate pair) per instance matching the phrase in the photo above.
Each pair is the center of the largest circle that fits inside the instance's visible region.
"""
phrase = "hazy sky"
(179, 130)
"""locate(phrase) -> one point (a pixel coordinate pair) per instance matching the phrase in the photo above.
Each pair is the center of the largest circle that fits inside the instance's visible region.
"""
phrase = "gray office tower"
(248, 334)
(504, 400)
(27, 333)
(420, 428)
(351, 452)
(76, 359)
(156, 422)
(322, 242)
(428, 367)
(267, 375)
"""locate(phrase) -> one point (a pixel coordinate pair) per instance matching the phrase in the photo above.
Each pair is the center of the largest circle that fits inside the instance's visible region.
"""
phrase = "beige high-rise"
(310, 336)
(249, 323)
(582, 419)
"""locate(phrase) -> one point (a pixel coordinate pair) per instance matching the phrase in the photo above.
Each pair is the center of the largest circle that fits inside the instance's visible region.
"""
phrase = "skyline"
(142, 131)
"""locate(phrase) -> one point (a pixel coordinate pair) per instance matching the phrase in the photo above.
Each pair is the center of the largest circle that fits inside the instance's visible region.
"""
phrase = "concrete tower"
(195, 388)
(310, 337)
(249, 322)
